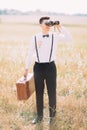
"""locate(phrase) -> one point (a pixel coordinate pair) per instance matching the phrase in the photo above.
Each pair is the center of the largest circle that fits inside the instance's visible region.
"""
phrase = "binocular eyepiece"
(52, 23)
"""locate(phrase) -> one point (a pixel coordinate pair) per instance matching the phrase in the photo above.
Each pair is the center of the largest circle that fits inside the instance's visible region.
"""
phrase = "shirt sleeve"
(30, 54)
(64, 35)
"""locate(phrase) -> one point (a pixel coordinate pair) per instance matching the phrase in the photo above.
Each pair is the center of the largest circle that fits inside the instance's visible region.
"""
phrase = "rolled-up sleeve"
(64, 35)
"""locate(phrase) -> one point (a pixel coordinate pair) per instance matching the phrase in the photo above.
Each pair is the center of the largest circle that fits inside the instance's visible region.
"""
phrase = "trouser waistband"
(43, 63)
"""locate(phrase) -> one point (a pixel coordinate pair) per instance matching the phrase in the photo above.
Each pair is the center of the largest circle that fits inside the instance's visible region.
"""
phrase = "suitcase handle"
(23, 79)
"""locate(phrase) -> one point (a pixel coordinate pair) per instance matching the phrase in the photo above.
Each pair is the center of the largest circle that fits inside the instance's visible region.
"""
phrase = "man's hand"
(25, 73)
(57, 27)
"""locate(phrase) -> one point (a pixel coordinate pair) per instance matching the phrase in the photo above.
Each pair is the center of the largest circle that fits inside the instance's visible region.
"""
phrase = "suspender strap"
(36, 49)
(51, 48)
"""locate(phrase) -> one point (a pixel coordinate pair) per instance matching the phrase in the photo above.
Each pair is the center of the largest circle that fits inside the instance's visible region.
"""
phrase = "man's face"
(44, 26)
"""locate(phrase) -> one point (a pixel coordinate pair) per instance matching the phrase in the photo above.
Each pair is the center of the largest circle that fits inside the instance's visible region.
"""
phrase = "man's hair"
(43, 18)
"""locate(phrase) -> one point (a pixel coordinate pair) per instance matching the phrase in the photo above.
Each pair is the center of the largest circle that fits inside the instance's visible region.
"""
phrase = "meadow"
(71, 64)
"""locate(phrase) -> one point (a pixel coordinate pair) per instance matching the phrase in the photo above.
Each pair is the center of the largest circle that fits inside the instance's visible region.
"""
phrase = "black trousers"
(45, 72)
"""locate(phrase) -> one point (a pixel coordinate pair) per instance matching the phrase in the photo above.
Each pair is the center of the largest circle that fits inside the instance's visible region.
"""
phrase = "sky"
(58, 6)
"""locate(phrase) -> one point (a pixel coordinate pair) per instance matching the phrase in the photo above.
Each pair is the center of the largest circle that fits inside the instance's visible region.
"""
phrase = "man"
(44, 46)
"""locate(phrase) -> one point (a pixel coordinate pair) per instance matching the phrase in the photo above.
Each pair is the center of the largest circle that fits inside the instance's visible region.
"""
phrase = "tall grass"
(71, 81)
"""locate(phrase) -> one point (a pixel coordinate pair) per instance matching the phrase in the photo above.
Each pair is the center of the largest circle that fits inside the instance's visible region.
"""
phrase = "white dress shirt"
(44, 46)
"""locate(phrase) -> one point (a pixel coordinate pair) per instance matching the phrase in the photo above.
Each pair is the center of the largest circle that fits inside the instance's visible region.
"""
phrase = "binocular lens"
(51, 23)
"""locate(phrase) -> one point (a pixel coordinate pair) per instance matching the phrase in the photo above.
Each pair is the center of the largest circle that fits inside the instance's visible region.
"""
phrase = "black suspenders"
(50, 50)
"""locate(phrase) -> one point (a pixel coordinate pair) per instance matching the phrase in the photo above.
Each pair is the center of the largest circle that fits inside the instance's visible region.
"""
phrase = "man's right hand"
(25, 73)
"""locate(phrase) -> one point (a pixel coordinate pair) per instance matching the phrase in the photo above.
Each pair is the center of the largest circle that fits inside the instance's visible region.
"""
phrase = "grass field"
(71, 80)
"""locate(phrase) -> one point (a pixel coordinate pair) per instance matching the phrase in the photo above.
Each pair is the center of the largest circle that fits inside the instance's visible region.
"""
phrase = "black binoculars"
(52, 23)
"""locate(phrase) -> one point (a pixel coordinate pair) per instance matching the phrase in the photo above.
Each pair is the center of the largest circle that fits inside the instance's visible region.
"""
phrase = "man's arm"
(63, 34)
(29, 58)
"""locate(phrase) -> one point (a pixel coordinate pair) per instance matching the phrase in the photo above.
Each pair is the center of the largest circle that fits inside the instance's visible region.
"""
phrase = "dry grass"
(71, 81)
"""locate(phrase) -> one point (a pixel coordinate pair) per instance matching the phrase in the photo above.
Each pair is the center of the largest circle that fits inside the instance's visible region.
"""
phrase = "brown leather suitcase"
(25, 87)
